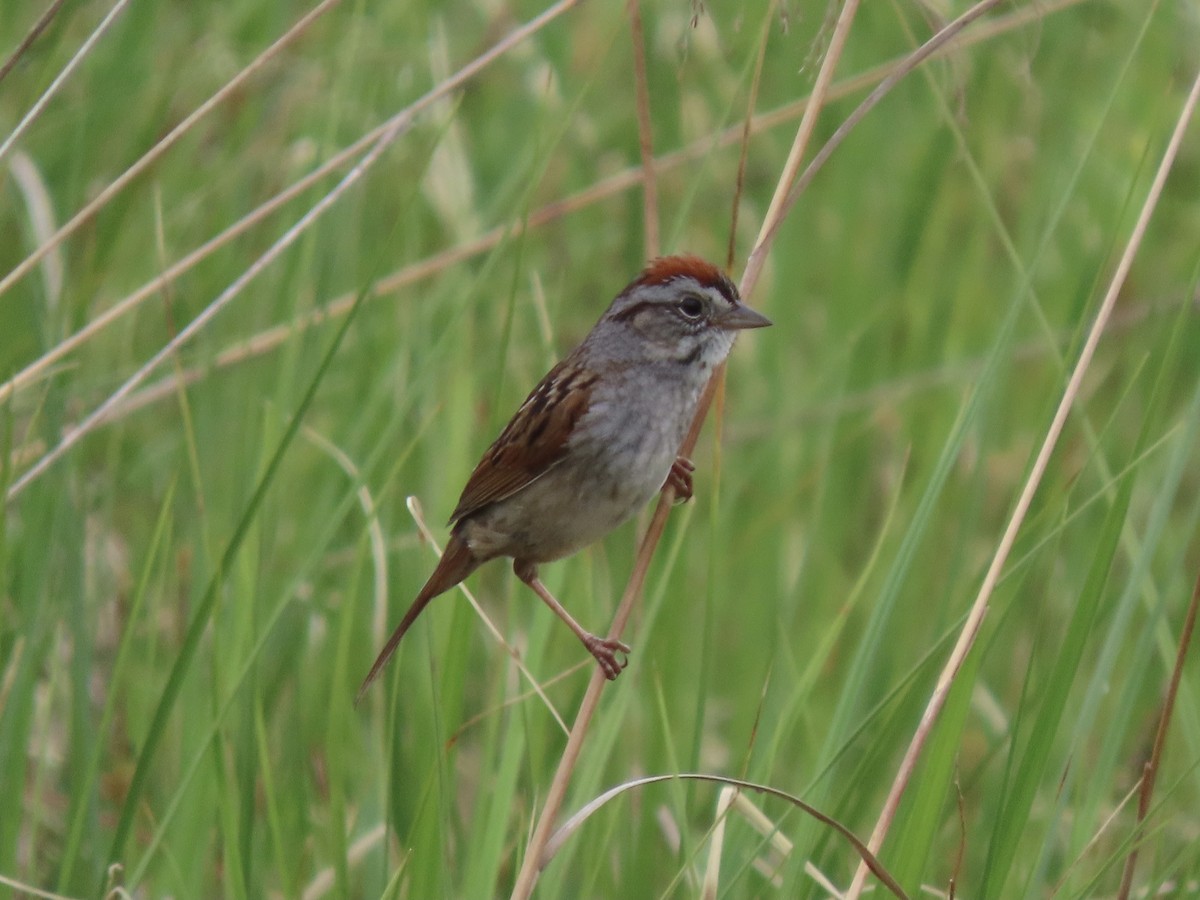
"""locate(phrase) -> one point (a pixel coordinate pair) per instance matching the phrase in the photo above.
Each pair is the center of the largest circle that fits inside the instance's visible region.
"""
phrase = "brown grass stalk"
(532, 864)
(747, 130)
(645, 132)
(31, 36)
(1150, 771)
(970, 631)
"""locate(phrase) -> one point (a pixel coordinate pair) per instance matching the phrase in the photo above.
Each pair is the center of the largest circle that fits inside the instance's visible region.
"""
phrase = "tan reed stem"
(979, 608)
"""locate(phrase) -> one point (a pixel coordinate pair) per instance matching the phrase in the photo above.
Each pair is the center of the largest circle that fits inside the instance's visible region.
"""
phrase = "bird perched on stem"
(595, 440)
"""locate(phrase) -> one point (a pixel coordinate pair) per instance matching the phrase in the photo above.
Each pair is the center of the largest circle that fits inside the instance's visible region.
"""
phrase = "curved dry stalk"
(40, 210)
(979, 608)
(576, 821)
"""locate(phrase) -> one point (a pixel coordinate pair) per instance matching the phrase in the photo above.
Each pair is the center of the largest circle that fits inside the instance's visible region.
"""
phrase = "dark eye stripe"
(632, 311)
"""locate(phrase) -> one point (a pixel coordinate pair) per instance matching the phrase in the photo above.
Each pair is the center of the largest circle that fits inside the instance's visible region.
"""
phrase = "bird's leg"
(603, 649)
(680, 478)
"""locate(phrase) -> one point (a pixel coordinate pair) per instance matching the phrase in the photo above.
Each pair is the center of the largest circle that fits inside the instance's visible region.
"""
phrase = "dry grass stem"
(162, 146)
(32, 35)
(979, 608)
(744, 142)
(532, 863)
(72, 64)
(712, 871)
(645, 132)
(1150, 770)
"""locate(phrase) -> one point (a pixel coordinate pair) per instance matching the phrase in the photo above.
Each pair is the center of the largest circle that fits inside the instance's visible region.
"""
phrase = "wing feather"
(533, 442)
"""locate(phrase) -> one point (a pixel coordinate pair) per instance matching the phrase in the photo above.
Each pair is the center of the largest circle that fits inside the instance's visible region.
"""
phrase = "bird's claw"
(605, 651)
(680, 478)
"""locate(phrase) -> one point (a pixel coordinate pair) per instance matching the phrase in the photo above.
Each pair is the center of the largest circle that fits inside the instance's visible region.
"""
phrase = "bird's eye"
(691, 306)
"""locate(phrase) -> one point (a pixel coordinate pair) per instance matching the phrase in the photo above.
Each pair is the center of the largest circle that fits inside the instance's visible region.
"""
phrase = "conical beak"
(740, 317)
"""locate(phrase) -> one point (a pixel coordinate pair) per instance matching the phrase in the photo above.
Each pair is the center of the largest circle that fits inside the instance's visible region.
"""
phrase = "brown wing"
(533, 442)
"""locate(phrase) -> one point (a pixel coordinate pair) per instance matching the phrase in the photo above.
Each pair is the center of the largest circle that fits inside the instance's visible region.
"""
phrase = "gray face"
(681, 320)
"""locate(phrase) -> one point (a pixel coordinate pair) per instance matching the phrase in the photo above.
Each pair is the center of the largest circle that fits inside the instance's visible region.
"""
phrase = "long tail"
(456, 564)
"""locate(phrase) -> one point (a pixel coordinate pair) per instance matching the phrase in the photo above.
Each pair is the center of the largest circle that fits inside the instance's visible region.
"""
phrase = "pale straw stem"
(971, 628)
(160, 148)
(61, 78)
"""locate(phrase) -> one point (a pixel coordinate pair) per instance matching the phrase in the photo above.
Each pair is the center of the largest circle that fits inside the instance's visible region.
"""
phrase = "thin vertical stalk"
(532, 863)
(970, 630)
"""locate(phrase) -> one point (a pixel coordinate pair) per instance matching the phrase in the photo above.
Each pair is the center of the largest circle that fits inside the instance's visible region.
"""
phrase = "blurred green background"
(930, 292)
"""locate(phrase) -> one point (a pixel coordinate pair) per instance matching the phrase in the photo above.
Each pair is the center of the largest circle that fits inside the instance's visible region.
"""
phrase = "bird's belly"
(617, 459)
(572, 505)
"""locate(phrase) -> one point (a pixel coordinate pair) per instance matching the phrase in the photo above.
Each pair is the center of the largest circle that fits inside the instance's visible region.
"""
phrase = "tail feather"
(456, 564)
